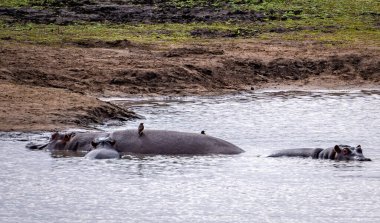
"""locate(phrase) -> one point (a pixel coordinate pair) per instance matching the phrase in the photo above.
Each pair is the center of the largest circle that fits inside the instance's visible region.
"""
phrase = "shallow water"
(35, 187)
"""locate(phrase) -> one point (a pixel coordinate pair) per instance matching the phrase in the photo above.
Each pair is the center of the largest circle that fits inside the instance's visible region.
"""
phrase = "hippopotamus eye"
(346, 151)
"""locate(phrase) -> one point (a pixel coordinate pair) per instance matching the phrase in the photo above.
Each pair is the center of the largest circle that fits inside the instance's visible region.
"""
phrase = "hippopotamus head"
(103, 149)
(58, 141)
(344, 152)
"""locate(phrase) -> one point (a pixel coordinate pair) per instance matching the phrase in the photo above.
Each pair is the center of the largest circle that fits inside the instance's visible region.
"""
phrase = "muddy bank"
(186, 69)
(28, 108)
(45, 88)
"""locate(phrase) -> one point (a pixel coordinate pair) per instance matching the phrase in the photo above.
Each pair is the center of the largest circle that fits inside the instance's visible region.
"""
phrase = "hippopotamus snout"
(103, 149)
(363, 159)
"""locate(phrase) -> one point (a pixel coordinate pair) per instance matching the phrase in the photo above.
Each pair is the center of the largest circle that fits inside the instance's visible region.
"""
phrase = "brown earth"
(45, 88)
(30, 108)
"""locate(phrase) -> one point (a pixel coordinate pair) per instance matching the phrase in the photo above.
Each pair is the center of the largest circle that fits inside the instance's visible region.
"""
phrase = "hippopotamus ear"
(67, 137)
(359, 149)
(94, 144)
(54, 136)
(337, 149)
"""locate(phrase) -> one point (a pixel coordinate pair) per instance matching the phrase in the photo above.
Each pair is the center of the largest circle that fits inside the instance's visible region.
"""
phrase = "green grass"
(54, 34)
(338, 21)
(13, 3)
(178, 33)
(311, 7)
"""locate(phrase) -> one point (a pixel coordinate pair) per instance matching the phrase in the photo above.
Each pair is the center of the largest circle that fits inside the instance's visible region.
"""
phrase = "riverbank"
(57, 57)
(31, 108)
(183, 69)
(49, 87)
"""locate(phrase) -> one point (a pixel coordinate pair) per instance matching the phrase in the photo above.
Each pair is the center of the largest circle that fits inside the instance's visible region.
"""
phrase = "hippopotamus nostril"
(362, 159)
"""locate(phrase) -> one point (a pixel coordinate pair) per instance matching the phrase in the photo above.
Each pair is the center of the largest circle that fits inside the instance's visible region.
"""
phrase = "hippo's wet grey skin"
(82, 141)
(103, 149)
(171, 143)
(339, 152)
(151, 142)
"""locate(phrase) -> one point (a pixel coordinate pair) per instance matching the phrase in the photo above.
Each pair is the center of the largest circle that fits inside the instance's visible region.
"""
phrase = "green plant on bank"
(174, 33)
(338, 21)
(13, 3)
(55, 34)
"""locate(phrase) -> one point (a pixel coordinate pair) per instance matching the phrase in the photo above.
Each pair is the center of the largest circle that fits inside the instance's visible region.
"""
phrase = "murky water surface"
(35, 187)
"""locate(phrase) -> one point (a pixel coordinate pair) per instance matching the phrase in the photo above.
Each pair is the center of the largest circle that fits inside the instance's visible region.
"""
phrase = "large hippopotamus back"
(170, 142)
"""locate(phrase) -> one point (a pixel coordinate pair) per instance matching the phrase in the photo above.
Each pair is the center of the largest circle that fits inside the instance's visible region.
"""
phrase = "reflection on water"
(35, 187)
(65, 154)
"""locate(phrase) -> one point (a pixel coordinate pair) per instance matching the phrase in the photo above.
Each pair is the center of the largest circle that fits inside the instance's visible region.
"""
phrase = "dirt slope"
(45, 88)
(28, 108)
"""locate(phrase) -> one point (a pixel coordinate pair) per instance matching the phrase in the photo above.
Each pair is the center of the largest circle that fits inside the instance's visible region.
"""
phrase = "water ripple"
(35, 187)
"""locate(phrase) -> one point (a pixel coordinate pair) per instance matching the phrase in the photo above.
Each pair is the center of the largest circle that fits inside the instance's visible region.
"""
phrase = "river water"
(36, 187)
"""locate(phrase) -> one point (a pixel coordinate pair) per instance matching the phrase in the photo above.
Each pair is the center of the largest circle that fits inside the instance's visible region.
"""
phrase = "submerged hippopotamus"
(338, 152)
(57, 142)
(151, 142)
(103, 149)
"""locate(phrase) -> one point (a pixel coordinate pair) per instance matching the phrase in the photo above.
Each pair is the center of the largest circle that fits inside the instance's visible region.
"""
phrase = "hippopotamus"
(57, 142)
(160, 142)
(338, 152)
(103, 149)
